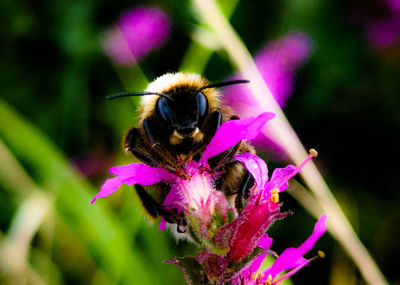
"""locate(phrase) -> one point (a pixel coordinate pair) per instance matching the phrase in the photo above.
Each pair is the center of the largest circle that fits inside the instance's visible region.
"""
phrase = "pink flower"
(262, 207)
(381, 31)
(138, 32)
(290, 259)
(233, 241)
(384, 32)
(242, 244)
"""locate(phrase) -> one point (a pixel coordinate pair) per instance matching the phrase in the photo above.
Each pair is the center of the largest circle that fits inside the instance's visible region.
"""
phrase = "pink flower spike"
(293, 257)
(232, 132)
(135, 173)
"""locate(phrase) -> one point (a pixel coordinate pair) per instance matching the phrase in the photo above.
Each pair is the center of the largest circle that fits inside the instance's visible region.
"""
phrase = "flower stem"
(281, 129)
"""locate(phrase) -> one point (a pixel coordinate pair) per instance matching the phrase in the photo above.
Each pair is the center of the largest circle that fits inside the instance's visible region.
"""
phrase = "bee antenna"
(129, 94)
(223, 84)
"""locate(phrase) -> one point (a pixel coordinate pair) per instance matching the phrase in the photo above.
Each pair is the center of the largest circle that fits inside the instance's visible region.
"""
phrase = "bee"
(179, 113)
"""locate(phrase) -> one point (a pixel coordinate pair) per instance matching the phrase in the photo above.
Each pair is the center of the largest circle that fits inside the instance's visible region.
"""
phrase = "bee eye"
(164, 109)
(202, 104)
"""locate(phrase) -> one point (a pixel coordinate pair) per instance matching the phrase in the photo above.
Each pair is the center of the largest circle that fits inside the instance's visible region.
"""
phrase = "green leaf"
(97, 228)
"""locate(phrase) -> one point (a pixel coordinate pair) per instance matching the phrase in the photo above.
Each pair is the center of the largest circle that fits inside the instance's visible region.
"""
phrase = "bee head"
(183, 113)
(180, 103)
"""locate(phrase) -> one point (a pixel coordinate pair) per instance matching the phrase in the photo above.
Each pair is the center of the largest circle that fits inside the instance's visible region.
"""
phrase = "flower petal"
(278, 178)
(232, 132)
(293, 257)
(108, 188)
(143, 174)
(256, 166)
(265, 243)
(135, 173)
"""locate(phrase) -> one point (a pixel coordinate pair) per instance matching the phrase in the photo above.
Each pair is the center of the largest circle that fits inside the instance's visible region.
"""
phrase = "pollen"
(321, 254)
(260, 276)
(274, 195)
(269, 280)
(313, 152)
(254, 276)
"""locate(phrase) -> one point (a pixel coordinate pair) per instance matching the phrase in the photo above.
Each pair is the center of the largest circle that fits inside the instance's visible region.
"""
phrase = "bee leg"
(149, 133)
(216, 117)
(156, 210)
(151, 206)
(149, 130)
(129, 143)
(244, 190)
(226, 157)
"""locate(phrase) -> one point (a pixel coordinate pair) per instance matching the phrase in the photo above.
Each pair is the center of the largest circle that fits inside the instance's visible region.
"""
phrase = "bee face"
(183, 115)
(183, 112)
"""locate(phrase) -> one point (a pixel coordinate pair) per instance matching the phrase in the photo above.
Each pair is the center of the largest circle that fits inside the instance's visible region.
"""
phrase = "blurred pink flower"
(138, 32)
(277, 63)
(381, 21)
(384, 32)
(394, 5)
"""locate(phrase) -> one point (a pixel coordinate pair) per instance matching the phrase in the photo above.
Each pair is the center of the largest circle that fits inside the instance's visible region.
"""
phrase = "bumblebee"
(178, 115)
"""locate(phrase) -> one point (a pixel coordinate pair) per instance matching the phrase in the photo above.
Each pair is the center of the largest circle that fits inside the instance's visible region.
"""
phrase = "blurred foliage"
(53, 118)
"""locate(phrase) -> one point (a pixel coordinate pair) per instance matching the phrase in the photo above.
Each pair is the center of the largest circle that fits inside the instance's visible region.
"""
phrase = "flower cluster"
(233, 242)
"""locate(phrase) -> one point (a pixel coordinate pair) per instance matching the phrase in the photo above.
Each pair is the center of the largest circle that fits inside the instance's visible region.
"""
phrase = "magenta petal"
(232, 132)
(278, 178)
(319, 230)
(256, 166)
(108, 188)
(174, 199)
(135, 173)
(139, 173)
(265, 243)
(293, 257)
(162, 224)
